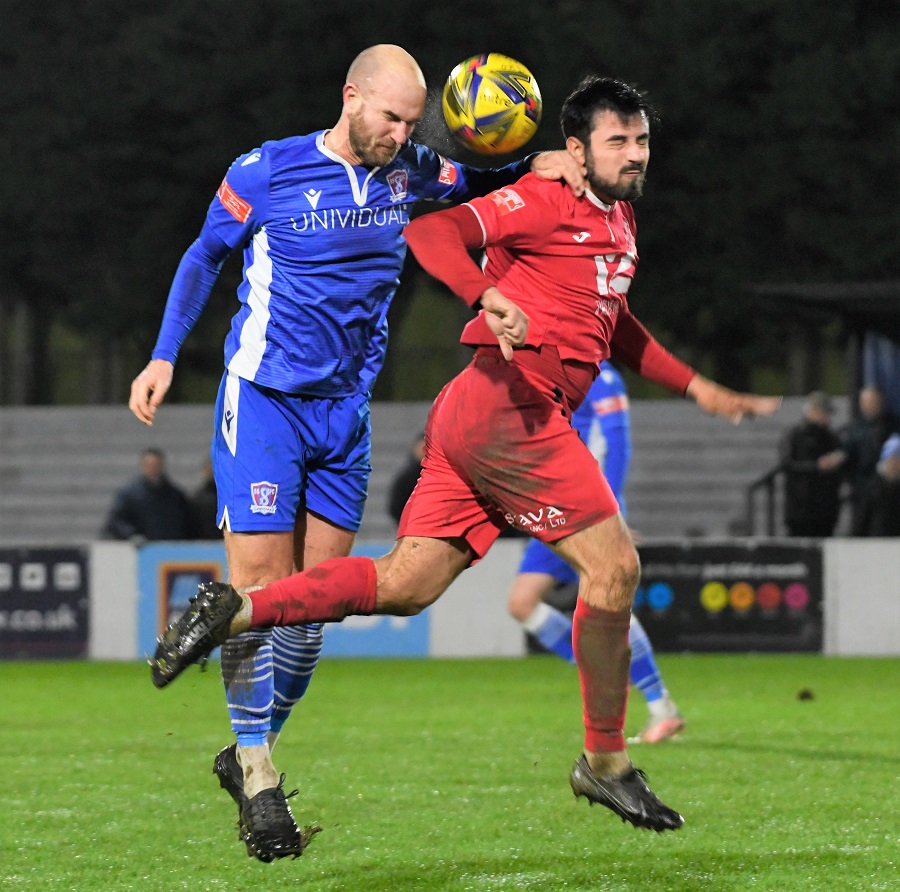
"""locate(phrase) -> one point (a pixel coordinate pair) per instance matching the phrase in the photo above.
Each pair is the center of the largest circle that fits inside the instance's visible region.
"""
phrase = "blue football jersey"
(602, 422)
(323, 251)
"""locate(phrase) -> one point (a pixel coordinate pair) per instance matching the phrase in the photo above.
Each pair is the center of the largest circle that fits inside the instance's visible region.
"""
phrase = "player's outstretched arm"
(505, 319)
(149, 389)
(642, 353)
(559, 165)
(730, 404)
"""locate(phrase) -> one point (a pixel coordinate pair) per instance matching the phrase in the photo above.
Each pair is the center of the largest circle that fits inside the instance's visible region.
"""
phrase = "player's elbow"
(414, 234)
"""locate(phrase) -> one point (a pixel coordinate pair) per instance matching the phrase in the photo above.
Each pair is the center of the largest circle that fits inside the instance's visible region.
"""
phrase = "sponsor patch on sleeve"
(507, 201)
(610, 404)
(233, 203)
(447, 176)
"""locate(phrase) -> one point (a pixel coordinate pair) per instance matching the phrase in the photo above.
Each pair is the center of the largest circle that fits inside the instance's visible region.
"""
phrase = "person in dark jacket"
(204, 504)
(863, 438)
(406, 478)
(150, 506)
(882, 507)
(812, 459)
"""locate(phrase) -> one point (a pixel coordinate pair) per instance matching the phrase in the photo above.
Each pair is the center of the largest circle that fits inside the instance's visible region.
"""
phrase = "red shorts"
(500, 450)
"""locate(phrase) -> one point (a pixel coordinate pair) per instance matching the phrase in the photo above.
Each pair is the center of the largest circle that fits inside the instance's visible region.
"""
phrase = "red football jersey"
(567, 262)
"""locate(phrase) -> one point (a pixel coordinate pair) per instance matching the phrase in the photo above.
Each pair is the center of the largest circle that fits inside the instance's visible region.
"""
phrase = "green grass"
(433, 775)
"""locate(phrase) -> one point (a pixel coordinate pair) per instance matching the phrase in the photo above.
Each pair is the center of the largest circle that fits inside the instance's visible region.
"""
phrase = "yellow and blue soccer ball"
(492, 104)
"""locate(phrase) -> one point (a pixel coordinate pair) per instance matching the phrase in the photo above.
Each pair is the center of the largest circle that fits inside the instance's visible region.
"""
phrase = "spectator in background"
(863, 438)
(881, 515)
(812, 459)
(404, 481)
(204, 506)
(881, 368)
(150, 506)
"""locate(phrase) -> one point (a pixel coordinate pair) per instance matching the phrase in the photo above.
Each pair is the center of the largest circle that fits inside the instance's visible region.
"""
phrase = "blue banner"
(169, 573)
(168, 576)
(377, 636)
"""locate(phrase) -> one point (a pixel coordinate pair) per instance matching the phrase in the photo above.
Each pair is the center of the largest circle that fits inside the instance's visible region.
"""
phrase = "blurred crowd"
(150, 507)
(857, 465)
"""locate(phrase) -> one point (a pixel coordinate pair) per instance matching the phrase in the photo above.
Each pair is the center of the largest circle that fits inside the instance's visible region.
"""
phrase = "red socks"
(343, 587)
(603, 656)
(330, 591)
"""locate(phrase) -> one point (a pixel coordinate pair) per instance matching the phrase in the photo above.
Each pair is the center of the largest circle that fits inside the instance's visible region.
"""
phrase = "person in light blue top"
(603, 423)
(319, 219)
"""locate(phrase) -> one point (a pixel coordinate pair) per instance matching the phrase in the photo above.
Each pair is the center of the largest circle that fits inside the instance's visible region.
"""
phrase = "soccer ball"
(492, 104)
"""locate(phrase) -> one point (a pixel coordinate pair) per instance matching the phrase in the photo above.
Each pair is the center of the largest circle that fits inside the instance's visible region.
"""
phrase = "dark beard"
(627, 192)
(363, 147)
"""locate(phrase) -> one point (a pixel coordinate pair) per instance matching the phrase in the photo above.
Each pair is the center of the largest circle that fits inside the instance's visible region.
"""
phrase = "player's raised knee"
(403, 598)
(402, 590)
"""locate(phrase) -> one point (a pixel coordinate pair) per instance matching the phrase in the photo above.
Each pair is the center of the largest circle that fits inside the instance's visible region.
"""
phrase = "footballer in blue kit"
(323, 249)
(323, 252)
(319, 219)
(603, 423)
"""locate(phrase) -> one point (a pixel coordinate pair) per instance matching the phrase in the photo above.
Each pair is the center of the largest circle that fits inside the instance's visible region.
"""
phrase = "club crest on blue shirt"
(397, 180)
(263, 496)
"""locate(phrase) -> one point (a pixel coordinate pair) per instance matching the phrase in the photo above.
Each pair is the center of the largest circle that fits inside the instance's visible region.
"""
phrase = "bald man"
(319, 219)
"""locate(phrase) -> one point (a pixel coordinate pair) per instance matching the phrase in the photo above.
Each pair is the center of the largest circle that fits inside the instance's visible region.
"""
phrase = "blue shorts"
(275, 455)
(538, 558)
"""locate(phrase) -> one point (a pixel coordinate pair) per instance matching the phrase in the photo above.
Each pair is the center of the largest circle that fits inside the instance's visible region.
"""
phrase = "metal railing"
(767, 484)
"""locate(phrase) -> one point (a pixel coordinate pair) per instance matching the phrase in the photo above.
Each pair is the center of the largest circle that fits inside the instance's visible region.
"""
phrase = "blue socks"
(249, 685)
(295, 653)
(552, 629)
(644, 673)
(266, 672)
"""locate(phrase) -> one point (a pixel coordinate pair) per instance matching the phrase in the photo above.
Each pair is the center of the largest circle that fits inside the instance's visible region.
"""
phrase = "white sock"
(663, 708)
(536, 618)
(259, 772)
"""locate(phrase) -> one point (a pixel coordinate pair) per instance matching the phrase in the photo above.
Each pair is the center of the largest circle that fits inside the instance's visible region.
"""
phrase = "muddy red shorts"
(500, 450)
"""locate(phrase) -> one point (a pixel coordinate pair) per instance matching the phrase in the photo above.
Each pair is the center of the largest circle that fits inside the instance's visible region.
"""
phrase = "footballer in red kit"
(567, 262)
(499, 445)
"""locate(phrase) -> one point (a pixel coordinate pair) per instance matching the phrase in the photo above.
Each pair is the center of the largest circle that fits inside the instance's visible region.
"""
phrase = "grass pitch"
(433, 775)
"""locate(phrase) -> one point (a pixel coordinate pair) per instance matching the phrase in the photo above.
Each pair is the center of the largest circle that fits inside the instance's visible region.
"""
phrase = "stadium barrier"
(109, 600)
